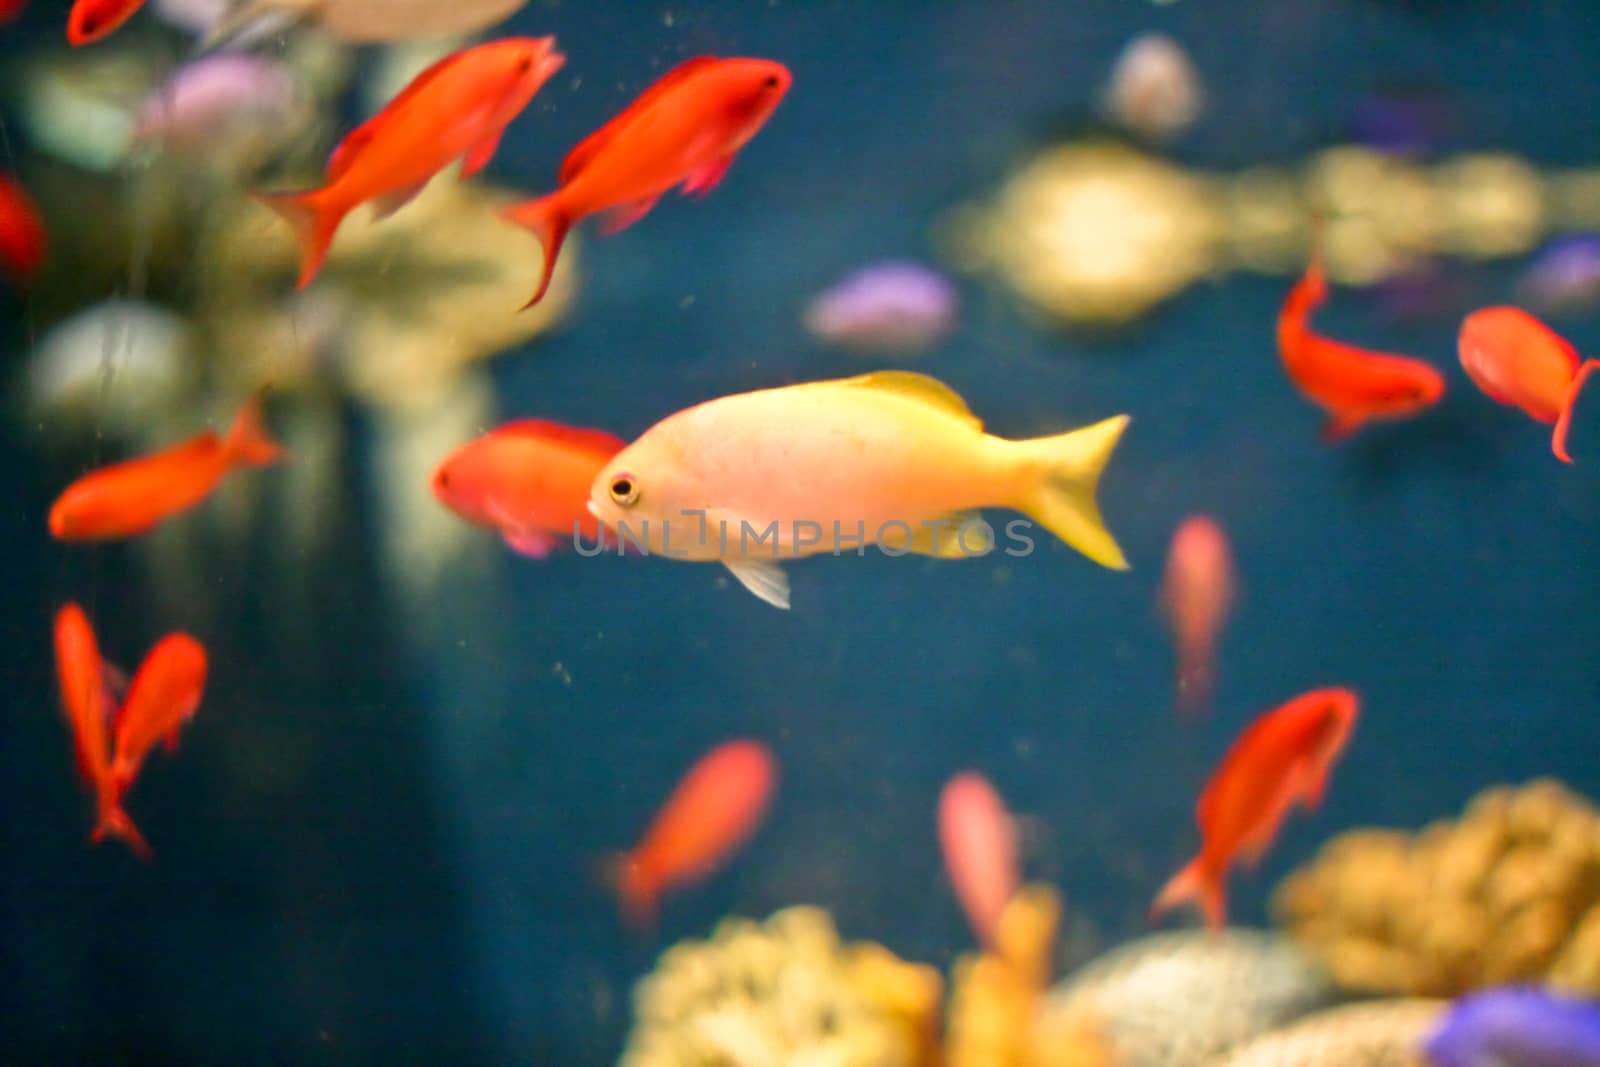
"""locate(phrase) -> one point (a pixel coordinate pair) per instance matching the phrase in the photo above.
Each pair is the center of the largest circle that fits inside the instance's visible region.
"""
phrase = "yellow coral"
(1508, 893)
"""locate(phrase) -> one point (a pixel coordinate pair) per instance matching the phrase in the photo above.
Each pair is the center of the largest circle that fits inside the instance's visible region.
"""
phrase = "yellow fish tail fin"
(1063, 502)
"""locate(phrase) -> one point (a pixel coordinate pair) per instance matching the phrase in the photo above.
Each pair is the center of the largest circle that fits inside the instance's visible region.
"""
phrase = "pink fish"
(1196, 596)
(980, 851)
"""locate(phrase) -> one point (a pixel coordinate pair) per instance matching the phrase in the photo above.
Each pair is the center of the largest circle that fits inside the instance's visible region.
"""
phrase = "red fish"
(84, 696)
(1196, 595)
(979, 840)
(22, 235)
(90, 20)
(714, 810)
(1354, 385)
(10, 10)
(130, 497)
(1518, 360)
(1283, 757)
(161, 699)
(456, 109)
(687, 128)
(530, 480)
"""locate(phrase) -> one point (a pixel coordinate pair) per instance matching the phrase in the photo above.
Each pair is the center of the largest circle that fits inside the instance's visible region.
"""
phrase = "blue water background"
(424, 890)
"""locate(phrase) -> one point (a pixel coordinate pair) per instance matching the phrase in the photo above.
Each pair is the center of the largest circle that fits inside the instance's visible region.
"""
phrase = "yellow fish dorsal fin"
(918, 387)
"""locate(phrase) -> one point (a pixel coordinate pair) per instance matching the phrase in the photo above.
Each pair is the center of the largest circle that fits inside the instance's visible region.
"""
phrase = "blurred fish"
(1518, 360)
(1517, 1028)
(22, 235)
(891, 307)
(530, 480)
(372, 21)
(130, 497)
(892, 458)
(714, 810)
(163, 697)
(686, 128)
(205, 100)
(92, 20)
(1154, 90)
(1283, 757)
(11, 9)
(1564, 276)
(88, 705)
(457, 108)
(979, 840)
(1197, 594)
(1354, 385)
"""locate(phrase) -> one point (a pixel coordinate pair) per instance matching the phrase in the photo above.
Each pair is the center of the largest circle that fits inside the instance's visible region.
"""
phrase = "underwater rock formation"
(785, 991)
(1387, 1033)
(1183, 999)
(1508, 893)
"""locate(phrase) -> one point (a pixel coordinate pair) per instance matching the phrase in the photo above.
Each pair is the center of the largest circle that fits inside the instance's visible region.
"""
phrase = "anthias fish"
(91, 20)
(1519, 361)
(1517, 1027)
(456, 109)
(686, 128)
(892, 458)
(714, 810)
(1196, 596)
(22, 235)
(162, 697)
(1283, 758)
(1353, 385)
(529, 480)
(129, 498)
(979, 841)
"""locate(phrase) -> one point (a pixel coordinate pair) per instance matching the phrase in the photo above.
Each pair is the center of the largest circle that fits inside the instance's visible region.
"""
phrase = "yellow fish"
(892, 459)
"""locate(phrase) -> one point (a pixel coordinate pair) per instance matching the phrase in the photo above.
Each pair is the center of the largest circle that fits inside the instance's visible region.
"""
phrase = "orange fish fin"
(597, 441)
(248, 442)
(114, 823)
(1558, 442)
(1339, 428)
(314, 222)
(480, 155)
(634, 889)
(707, 178)
(620, 218)
(549, 224)
(591, 146)
(1191, 884)
(389, 203)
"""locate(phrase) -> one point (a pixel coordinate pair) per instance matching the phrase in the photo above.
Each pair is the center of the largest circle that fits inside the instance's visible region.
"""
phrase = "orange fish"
(161, 699)
(1354, 385)
(687, 128)
(713, 811)
(530, 480)
(979, 841)
(1518, 360)
(1196, 595)
(1283, 757)
(85, 698)
(22, 235)
(456, 109)
(90, 20)
(130, 497)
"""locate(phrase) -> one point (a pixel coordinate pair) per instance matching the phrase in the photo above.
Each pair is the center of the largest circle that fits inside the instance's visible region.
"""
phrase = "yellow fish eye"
(624, 490)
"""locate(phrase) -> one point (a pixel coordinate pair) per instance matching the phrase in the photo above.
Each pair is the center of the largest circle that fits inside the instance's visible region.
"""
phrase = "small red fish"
(687, 128)
(1354, 385)
(456, 109)
(85, 698)
(714, 810)
(130, 497)
(1518, 360)
(91, 20)
(979, 841)
(161, 699)
(1283, 757)
(22, 235)
(10, 10)
(1196, 595)
(530, 480)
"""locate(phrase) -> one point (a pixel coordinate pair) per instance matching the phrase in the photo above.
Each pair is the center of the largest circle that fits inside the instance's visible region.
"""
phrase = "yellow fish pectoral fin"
(1063, 502)
(762, 577)
(959, 535)
(918, 387)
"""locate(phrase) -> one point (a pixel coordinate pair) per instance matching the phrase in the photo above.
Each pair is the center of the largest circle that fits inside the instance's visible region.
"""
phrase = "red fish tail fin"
(549, 223)
(114, 823)
(1558, 443)
(634, 888)
(248, 443)
(1193, 884)
(314, 222)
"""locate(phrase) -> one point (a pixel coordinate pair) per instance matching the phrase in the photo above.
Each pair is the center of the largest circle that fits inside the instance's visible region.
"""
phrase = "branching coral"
(1508, 893)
